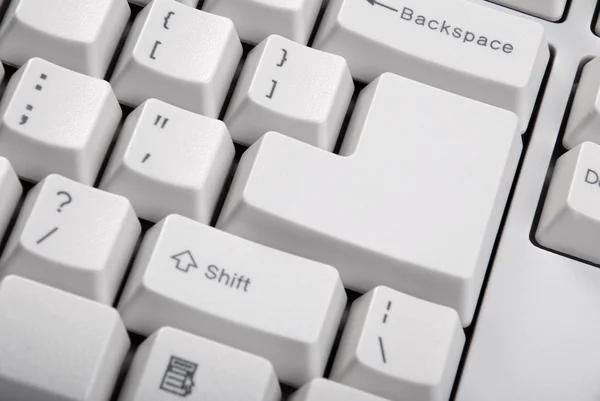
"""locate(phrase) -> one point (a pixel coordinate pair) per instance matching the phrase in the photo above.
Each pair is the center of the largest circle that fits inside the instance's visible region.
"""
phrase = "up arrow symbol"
(377, 3)
(185, 261)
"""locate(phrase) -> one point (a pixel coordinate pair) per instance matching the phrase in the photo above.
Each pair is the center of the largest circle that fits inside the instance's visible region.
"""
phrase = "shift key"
(455, 45)
(197, 278)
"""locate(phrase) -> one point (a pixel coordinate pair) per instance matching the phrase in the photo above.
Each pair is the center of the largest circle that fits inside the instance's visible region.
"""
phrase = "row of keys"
(41, 122)
(414, 355)
(163, 148)
(190, 56)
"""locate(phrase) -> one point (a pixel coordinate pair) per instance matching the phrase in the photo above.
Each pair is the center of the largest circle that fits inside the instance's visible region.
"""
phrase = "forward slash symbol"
(377, 3)
(55, 229)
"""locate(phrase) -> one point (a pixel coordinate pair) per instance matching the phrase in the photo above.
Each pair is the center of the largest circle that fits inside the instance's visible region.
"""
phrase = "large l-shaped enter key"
(455, 45)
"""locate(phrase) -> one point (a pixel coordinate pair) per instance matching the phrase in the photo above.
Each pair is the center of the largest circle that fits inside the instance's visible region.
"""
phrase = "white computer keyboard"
(304, 200)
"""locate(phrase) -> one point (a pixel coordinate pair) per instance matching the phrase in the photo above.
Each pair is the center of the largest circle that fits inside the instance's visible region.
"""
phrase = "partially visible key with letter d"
(454, 45)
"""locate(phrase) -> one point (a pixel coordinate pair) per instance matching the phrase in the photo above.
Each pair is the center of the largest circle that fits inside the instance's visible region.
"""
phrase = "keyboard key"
(454, 45)
(80, 35)
(570, 220)
(257, 19)
(57, 346)
(191, 3)
(551, 10)
(293, 89)
(584, 120)
(56, 120)
(73, 237)
(199, 279)
(400, 347)
(173, 363)
(326, 390)
(414, 202)
(182, 56)
(169, 160)
(10, 193)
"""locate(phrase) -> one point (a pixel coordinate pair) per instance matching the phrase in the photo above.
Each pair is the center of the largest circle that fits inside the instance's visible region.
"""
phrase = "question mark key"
(73, 237)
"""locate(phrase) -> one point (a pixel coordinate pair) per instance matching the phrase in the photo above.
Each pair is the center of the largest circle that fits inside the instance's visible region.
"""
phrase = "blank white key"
(570, 221)
(326, 390)
(173, 363)
(205, 281)
(257, 19)
(584, 120)
(56, 346)
(73, 237)
(551, 10)
(169, 160)
(54, 120)
(414, 202)
(293, 89)
(454, 45)
(10, 193)
(400, 347)
(183, 56)
(80, 35)
(191, 3)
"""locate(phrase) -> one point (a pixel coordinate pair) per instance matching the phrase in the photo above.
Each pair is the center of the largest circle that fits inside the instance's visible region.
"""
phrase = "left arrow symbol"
(185, 261)
(376, 3)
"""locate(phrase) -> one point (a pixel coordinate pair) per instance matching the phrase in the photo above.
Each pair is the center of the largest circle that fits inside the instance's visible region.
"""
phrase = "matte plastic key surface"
(169, 160)
(73, 237)
(182, 56)
(199, 279)
(293, 89)
(54, 120)
(81, 35)
(172, 364)
(413, 201)
(257, 19)
(400, 347)
(56, 346)
(327, 390)
(455, 45)
(551, 10)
